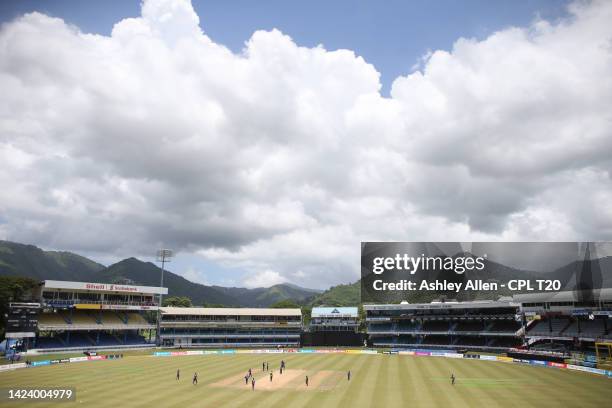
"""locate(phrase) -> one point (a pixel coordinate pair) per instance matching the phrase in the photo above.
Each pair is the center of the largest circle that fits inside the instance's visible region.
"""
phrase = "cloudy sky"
(268, 158)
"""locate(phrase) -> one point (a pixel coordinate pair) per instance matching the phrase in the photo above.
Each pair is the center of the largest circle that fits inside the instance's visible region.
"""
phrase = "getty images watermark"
(426, 271)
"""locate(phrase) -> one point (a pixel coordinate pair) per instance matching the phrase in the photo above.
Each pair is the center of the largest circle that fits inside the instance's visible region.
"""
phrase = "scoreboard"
(22, 320)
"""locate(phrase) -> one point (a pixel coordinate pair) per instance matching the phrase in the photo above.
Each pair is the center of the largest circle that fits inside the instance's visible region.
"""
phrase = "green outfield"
(377, 381)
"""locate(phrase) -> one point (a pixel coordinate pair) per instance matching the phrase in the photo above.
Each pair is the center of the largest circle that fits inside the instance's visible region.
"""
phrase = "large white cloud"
(281, 159)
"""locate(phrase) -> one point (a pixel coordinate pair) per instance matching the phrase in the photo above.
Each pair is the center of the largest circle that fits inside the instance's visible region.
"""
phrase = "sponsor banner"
(368, 352)
(194, 352)
(471, 356)
(505, 359)
(104, 287)
(453, 355)
(128, 307)
(575, 367)
(429, 351)
(587, 369)
(537, 362)
(231, 351)
(96, 357)
(178, 353)
(489, 358)
(520, 360)
(437, 354)
(306, 351)
(77, 359)
(40, 363)
(581, 312)
(406, 353)
(7, 367)
(557, 365)
(161, 353)
(87, 306)
(352, 351)
(422, 353)
(598, 371)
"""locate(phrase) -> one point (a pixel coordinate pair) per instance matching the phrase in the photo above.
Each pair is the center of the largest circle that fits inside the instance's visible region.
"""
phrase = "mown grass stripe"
(378, 380)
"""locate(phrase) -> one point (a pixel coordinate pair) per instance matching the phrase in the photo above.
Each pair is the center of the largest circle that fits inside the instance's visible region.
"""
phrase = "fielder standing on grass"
(195, 379)
(452, 379)
(253, 384)
(270, 376)
(178, 374)
(348, 375)
(307, 381)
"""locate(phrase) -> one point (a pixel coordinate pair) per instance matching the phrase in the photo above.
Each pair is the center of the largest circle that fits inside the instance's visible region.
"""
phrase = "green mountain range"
(30, 261)
(340, 295)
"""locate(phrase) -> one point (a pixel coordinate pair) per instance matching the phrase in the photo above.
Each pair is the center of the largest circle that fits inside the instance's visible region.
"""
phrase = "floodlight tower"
(163, 256)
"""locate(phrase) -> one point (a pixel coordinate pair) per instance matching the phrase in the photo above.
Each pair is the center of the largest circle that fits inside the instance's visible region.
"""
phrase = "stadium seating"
(434, 325)
(106, 339)
(78, 339)
(380, 327)
(82, 318)
(407, 326)
(134, 339)
(111, 318)
(586, 328)
(136, 318)
(51, 319)
(541, 326)
(565, 327)
(504, 326)
(504, 342)
(441, 340)
(549, 327)
(49, 342)
(472, 326)
(471, 341)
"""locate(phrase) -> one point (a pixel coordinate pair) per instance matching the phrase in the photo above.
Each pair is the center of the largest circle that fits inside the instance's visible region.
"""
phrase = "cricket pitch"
(288, 380)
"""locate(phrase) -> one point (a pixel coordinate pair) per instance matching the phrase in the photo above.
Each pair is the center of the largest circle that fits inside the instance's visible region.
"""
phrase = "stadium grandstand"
(482, 325)
(85, 315)
(333, 326)
(566, 322)
(334, 319)
(562, 322)
(234, 327)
